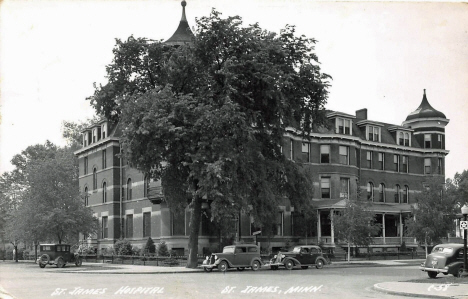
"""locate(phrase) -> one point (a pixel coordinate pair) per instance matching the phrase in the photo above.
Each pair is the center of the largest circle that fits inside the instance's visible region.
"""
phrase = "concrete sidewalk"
(423, 290)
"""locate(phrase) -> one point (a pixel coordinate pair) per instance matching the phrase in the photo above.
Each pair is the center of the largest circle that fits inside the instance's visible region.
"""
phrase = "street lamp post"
(464, 210)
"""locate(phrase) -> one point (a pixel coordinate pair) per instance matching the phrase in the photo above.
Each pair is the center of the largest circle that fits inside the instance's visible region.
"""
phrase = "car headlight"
(216, 257)
(275, 256)
(207, 257)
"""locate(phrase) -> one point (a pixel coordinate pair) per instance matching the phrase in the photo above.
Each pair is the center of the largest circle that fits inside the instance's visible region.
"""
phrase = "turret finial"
(424, 91)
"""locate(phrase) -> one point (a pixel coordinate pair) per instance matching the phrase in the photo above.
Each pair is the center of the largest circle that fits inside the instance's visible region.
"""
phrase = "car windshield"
(228, 249)
(296, 249)
(445, 250)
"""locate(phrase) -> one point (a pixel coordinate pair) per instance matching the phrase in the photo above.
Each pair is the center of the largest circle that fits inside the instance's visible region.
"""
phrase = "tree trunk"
(16, 253)
(194, 231)
(349, 252)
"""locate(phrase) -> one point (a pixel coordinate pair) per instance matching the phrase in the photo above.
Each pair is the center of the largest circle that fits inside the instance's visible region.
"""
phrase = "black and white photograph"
(233, 149)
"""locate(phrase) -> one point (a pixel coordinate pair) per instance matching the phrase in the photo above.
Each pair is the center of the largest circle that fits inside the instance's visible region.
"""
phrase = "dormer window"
(104, 130)
(373, 133)
(95, 134)
(343, 126)
(343, 122)
(404, 138)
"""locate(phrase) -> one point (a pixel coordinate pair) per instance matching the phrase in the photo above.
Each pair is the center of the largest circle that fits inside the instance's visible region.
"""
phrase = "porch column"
(383, 227)
(319, 227)
(332, 227)
(401, 228)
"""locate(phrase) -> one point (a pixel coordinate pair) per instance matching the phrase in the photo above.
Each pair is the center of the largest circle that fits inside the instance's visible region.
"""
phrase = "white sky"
(381, 56)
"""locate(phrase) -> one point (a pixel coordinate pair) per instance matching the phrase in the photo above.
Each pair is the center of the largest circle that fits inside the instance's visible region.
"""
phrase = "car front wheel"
(459, 272)
(207, 269)
(319, 264)
(255, 265)
(223, 266)
(60, 262)
(431, 274)
(289, 265)
(78, 262)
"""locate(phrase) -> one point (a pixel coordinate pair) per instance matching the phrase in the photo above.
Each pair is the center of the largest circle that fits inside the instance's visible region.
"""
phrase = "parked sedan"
(444, 258)
(57, 254)
(303, 256)
(234, 256)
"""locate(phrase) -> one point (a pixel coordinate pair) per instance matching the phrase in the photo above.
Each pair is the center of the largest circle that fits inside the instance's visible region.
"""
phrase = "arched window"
(370, 191)
(129, 189)
(397, 193)
(382, 192)
(104, 192)
(94, 178)
(86, 196)
(406, 194)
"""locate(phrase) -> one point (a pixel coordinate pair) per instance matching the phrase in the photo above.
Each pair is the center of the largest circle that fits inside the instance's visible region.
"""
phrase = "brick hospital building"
(387, 164)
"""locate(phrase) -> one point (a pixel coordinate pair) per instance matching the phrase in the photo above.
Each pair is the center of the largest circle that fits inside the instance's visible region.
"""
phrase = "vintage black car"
(234, 256)
(444, 258)
(57, 254)
(303, 256)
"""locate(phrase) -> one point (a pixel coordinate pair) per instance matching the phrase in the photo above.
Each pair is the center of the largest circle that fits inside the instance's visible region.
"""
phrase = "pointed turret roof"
(425, 110)
(183, 34)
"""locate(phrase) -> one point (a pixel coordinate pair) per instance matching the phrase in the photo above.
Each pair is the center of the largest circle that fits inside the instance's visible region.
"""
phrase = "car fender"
(453, 267)
(218, 261)
(321, 258)
(296, 262)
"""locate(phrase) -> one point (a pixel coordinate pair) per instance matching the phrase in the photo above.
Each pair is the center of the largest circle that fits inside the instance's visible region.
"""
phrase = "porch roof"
(376, 207)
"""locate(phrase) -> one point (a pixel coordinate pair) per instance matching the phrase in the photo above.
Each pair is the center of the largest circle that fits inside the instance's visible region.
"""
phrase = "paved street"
(27, 280)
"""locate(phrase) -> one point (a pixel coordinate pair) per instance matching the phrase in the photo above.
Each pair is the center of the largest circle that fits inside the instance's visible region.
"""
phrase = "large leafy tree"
(433, 214)
(209, 118)
(49, 206)
(355, 224)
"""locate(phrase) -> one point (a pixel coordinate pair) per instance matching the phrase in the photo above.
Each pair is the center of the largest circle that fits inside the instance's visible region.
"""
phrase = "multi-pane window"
(85, 165)
(325, 154)
(344, 188)
(129, 189)
(86, 196)
(279, 223)
(406, 194)
(344, 155)
(325, 187)
(427, 165)
(397, 194)
(369, 159)
(129, 226)
(104, 159)
(439, 166)
(105, 228)
(396, 162)
(427, 140)
(373, 133)
(440, 140)
(104, 192)
(146, 224)
(94, 179)
(381, 160)
(370, 191)
(343, 126)
(305, 151)
(404, 164)
(146, 185)
(403, 138)
(382, 192)
(178, 224)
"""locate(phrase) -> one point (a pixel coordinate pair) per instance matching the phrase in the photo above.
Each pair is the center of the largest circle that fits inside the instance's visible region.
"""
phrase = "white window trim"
(337, 127)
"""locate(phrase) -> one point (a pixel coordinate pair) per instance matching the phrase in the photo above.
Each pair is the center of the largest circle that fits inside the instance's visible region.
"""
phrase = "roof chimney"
(361, 113)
